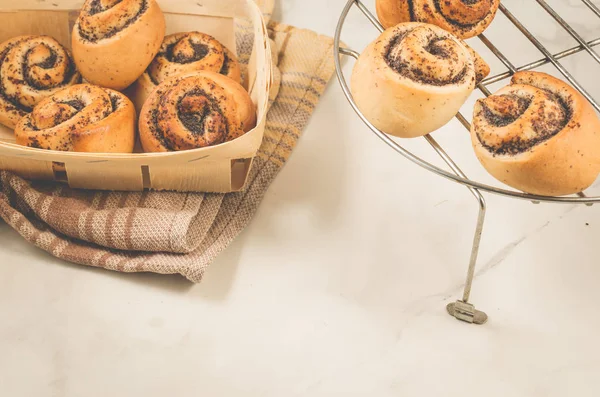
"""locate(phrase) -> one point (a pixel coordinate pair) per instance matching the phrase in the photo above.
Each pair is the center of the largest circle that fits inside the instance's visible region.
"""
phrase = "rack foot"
(466, 312)
(462, 309)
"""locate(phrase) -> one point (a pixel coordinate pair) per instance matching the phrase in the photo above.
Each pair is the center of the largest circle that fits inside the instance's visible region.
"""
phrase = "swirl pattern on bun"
(182, 53)
(414, 78)
(194, 111)
(80, 118)
(538, 135)
(115, 40)
(463, 18)
(31, 69)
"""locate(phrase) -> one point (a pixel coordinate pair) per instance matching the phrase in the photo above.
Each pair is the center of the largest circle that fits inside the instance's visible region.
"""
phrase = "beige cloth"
(168, 232)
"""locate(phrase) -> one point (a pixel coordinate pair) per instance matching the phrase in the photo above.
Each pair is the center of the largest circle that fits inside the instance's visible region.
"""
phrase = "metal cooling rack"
(462, 309)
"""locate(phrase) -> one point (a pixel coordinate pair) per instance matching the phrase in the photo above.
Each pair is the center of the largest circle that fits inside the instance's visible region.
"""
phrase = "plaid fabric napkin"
(169, 232)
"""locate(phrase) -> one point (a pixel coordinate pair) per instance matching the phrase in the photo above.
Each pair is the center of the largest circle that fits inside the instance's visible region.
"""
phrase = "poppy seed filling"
(404, 68)
(546, 126)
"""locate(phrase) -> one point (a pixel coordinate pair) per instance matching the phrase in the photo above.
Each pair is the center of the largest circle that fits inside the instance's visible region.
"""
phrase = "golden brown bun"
(245, 108)
(231, 67)
(31, 69)
(193, 111)
(413, 79)
(462, 18)
(113, 42)
(80, 118)
(538, 135)
(182, 53)
(482, 69)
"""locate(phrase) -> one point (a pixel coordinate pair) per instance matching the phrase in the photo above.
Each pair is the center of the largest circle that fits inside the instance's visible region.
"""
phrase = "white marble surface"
(338, 287)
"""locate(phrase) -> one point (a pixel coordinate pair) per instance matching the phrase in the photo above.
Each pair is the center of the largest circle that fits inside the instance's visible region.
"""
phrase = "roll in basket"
(221, 168)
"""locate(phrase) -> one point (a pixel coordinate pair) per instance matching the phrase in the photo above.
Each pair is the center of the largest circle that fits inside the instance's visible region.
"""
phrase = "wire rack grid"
(462, 309)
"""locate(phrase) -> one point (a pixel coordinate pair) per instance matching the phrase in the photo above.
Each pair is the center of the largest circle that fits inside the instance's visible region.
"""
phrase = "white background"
(339, 285)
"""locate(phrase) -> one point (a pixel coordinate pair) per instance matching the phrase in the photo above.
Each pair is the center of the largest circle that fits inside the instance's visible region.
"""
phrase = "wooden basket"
(221, 168)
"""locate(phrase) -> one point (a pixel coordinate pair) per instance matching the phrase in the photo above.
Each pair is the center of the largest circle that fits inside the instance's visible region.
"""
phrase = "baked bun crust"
(538, 135)
(462, 18)
(194, 111)
(31, 69)
(114, 41)
(183, 53)
(414, 78)
(80, 118)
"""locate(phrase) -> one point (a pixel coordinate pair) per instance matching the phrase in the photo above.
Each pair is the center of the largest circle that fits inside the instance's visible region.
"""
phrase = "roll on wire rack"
(462, 309)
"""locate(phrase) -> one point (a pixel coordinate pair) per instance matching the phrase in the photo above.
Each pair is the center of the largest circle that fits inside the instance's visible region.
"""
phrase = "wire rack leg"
(462, 309)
